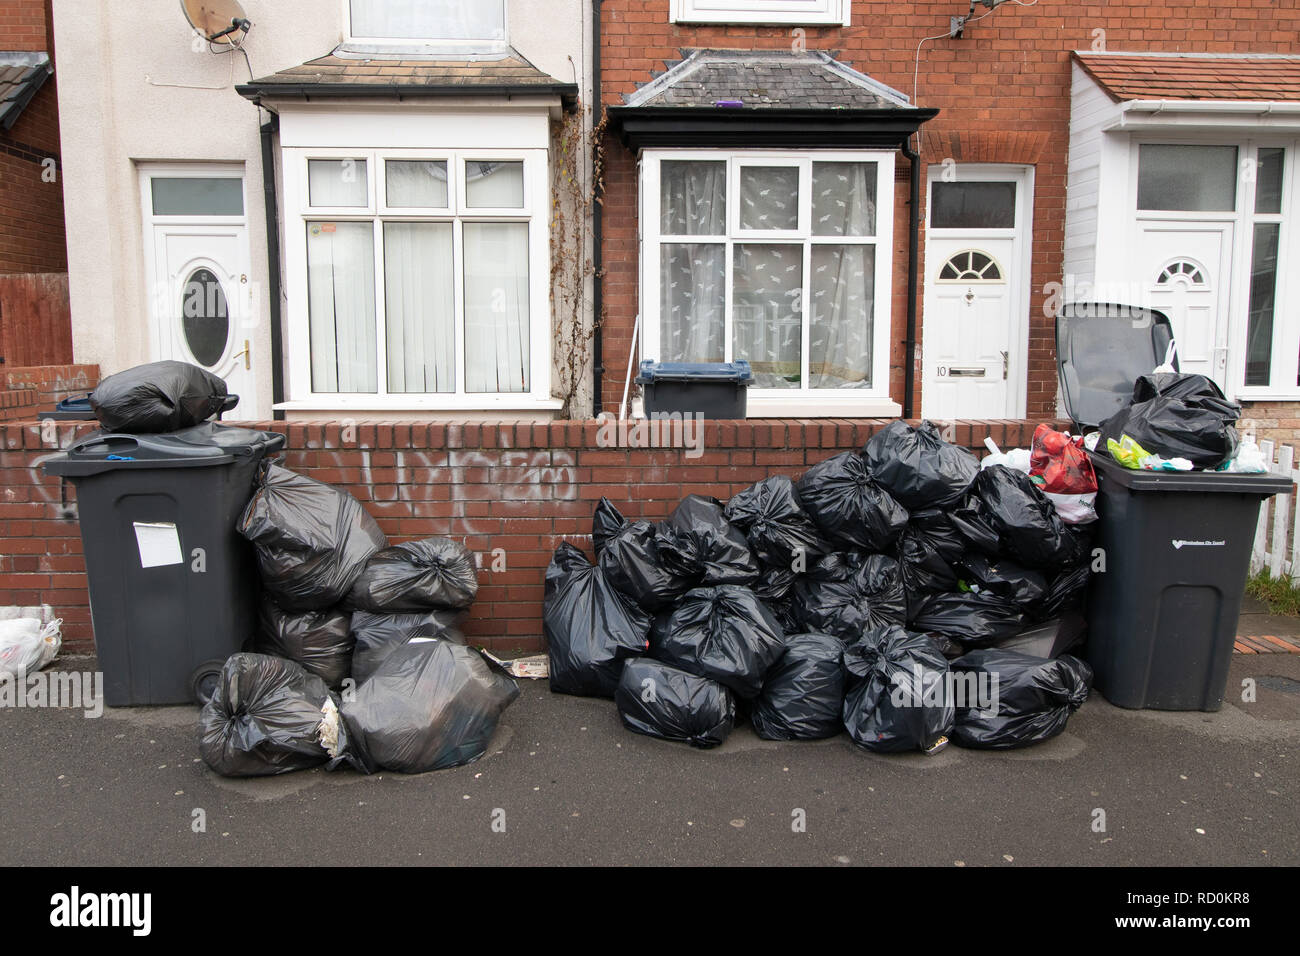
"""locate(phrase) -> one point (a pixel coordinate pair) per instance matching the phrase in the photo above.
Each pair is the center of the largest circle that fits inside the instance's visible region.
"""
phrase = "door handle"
(1006, 365)
(247, 357)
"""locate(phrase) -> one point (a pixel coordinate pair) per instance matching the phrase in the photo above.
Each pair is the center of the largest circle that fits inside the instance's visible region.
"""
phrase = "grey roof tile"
(22, 74)
(510, 69)
(765, 79)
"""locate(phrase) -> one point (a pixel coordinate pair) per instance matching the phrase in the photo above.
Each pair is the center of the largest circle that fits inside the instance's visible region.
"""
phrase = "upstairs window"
(462, 21)
(811, 12)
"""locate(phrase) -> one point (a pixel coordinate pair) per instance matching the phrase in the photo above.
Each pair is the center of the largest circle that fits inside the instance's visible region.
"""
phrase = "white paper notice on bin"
(160, 543)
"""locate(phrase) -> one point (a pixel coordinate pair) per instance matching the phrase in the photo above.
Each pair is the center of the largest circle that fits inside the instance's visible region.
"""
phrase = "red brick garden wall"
(1004, 93)
(31, 207)
(521, 488)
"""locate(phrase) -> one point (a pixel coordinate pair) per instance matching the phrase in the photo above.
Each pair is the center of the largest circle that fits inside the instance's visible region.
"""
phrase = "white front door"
(1184, 269)
(976, 294)
(200, 291)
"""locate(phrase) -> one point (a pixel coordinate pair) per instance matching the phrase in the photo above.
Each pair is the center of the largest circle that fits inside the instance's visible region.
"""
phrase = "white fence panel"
(1277, 542)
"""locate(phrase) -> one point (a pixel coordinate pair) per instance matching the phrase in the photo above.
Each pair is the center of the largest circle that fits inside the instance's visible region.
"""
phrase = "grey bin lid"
(200, 446)
(1109, 470)
(1101, 350)
(700, 373)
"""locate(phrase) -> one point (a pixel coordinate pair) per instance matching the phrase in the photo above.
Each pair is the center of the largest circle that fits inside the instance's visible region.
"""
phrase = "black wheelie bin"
(173, 586)
(1174, 546)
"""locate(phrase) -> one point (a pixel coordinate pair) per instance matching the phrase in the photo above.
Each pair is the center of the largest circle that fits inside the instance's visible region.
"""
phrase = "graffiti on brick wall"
(530, 477)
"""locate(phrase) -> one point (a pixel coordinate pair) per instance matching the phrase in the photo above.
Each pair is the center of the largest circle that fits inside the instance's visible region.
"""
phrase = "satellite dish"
(218, 21)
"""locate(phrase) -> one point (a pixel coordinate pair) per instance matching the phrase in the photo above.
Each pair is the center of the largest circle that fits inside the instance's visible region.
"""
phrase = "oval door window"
(204, 317)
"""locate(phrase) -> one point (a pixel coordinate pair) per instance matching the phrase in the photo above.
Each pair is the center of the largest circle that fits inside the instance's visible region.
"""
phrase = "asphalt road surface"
(569, 785)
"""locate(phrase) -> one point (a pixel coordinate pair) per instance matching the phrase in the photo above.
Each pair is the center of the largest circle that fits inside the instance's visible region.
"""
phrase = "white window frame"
(810, 12)
(470, 45)
(1285, 351)
(535, 211)
(1286, 317)
(819, 401)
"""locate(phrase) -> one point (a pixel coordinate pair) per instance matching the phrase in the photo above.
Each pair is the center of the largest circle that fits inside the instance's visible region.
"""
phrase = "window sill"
(393, 403)
(779, 406)
(1266, 397)
(398, 49)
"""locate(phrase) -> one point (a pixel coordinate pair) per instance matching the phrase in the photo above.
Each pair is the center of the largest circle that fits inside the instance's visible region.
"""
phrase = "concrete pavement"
(573, 787)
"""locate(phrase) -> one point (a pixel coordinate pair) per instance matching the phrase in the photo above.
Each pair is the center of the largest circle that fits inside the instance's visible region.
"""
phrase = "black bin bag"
(971, 619)
(724, 633)
(263, 718)
(1178, 416)
(776, 525)
(417, 576)
(848, 505)
(632, 564)
(922, 567)
(919, 468)
(590, 628)
(158, 397)
(1027, 524)
(431, 704)
(775, 584)
(699, 543)
(378, 634)
(1066, 591)
(970, 521)
(897, 697)
(605, 523)
(1035, 697)
(803, 693)
(1004, 579)
(846, 595)
(321, 641)
(659, 700)
(312, 541)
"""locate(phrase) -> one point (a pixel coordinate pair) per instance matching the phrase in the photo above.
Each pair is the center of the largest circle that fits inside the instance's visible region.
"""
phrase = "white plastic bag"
(1016, 458)
(42, 611)
(26, 645)
(1168, 364)
(1074, 509)
(1249, 459)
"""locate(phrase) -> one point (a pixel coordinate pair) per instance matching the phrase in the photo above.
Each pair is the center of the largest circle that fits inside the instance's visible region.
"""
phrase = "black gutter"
(646, 127)
(597, 230)
(568, 92)
(913, 244)
(270, 197)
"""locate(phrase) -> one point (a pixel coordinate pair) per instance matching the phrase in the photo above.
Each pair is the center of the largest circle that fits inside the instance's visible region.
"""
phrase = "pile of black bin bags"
(871, 595)
(357, 660)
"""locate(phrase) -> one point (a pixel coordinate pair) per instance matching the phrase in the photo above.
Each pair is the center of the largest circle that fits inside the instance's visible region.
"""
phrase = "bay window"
(779, 259)
(424, 277)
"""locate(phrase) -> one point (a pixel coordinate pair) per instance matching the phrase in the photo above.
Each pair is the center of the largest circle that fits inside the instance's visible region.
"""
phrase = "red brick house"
(35, 326)
(1127, 151)
(1119, 152)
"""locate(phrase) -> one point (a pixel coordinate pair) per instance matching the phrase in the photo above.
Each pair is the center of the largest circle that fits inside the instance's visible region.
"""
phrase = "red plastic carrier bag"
(1061, 462)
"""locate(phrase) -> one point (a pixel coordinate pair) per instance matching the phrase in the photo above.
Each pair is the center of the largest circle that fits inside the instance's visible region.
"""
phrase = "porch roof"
(765, 98)
(342, 74)
(1194, 76)
(22, 74)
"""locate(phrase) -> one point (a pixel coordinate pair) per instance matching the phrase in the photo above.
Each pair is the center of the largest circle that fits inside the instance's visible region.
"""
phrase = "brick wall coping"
(717, 434)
